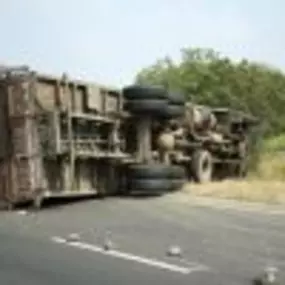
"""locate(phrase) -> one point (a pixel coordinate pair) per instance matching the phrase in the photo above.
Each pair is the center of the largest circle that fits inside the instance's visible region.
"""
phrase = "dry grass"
(271, 167)
(271, 192)
(266, 185)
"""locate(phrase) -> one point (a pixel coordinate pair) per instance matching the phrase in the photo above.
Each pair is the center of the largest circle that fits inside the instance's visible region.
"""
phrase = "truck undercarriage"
(63, 138)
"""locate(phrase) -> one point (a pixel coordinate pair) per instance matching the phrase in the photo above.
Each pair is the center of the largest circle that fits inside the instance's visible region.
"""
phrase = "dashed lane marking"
(131, 257)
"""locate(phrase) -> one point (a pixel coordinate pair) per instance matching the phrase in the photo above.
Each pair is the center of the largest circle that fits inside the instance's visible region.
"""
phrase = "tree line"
(204, 76)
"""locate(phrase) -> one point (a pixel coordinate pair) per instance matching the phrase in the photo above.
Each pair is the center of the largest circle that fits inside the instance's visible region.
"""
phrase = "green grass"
(265, 184)
(274, 144)
(271, 164)
(270, 167)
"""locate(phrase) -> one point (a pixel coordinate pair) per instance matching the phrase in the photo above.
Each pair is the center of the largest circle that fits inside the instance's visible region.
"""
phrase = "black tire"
(176, 98)
(137, 92)
(202, 166)
(177, 184)
(149, 171)
(155, 171)
(151, 107)
(172, 111)
(149, 185)
(177, 172)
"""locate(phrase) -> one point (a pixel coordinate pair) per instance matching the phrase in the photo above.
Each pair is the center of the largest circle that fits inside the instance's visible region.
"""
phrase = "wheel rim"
(206, 169)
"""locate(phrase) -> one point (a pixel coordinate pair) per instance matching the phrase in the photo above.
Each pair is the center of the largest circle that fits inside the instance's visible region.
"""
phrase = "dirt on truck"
(63, 137)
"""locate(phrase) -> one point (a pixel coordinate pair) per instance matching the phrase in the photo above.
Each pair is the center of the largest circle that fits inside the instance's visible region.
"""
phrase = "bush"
(274, 144)
(271, 162)
(206, 77)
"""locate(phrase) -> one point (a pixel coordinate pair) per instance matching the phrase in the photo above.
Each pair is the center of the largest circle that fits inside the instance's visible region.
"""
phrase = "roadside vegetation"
(206, 77)
(249, 190)
(265, 182)
(271, 164)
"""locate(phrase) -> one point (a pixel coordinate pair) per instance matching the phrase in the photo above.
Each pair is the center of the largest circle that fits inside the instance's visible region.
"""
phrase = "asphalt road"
(219, 246)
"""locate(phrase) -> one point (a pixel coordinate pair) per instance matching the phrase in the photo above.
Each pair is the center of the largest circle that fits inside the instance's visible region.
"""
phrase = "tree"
(206, 77)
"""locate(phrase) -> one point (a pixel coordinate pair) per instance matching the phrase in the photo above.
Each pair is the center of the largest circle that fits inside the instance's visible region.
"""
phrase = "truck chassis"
(66, 138)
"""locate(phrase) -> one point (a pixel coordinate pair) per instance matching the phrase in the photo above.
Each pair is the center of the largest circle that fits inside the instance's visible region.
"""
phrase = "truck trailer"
(67, 138)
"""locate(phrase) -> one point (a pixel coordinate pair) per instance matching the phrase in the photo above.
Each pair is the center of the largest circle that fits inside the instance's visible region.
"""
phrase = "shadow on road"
(59, 202)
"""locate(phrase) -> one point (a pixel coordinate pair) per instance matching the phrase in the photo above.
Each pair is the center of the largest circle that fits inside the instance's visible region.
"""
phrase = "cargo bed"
(56, 136)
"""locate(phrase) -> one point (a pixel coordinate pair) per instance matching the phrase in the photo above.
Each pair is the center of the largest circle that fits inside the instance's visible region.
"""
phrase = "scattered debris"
(174, 251)
(108, 244)
(74, 237)
(269, 277)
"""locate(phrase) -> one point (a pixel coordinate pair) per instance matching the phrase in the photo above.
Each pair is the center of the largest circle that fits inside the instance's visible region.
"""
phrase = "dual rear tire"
(157, 103)
(153, 101)
(154, 179)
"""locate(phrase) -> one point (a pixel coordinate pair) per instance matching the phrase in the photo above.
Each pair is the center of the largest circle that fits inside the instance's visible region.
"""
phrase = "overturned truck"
(63, 138)
(207, 143)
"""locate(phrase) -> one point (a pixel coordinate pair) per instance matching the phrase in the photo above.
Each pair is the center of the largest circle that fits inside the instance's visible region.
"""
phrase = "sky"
(109, 41)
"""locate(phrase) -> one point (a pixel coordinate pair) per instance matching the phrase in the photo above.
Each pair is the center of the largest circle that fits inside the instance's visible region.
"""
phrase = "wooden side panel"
(3, 121)
(19, 100)
(112, 102)
(78, 93)
(84, 97)
(52, 175)
(94, 100)
(52, 93)
(102, 100)
(23, 174)
(64, 96)
(46, 94)
(65, 175)
(25, 162)
(4, 180)
(85, 179)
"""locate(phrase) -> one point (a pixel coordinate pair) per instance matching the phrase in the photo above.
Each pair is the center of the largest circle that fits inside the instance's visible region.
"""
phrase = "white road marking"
(57, 239)
(132, 257)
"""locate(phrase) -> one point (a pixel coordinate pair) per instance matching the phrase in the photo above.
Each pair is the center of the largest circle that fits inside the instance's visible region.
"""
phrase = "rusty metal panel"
(52, 93)
(53, 177)
(45, 95)
(19, 100)
(24, 137)
(85, 180)
(22, 174)
(3, 121)
(15, 180)
(4, 180)
(65, 175)
(112, 102)
(94, 100)
(65, 96)
(78, 93)
(25, 165)
(20, 143)
(55, 93)
(33, 117)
